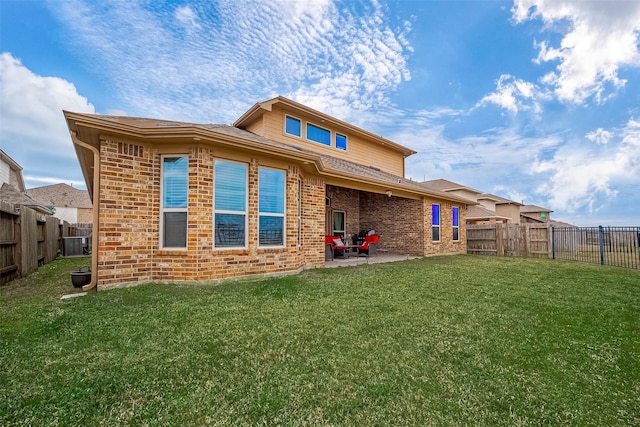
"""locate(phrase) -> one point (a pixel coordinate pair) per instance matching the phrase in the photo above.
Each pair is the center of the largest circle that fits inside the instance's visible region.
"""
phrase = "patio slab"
(374, 259)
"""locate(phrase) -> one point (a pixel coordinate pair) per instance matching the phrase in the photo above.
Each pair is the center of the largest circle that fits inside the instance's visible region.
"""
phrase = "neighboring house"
(534, 214)
(195, 202)
(452, 188)
(12, 185)
(491, 209)
(502, 206)
(68, 204)
(482, 215)
(11, 172)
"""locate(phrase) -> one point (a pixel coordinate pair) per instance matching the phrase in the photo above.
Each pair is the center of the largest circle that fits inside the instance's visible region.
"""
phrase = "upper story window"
(292, 126)
(435, 222)
(230, 204)
(174, 193)
(271, 206)
(341, 142)
(318, 134)
(455, 222)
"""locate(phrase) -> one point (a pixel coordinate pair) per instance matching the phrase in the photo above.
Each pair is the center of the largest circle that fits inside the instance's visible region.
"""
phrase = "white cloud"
(599, 136)
(578, 177)
(337, 58)
(32, 129)
(187, 17)
(31, 109)
(514, 95)
(602, 37)
(476, 160)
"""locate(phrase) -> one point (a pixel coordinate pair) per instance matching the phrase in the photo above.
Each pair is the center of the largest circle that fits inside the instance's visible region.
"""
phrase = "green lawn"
(459, 340)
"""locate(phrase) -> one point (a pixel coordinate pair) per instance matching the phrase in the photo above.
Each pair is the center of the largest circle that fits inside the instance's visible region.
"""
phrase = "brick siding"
(130, 219)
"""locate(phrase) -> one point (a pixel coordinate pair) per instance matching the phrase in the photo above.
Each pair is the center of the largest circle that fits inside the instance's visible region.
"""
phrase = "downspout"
(96, 203)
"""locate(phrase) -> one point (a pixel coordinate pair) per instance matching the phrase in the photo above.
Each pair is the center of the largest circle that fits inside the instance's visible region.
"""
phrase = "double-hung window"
(230, 204)
(435, 222)
(455, 222)
(173, 210)
(292, 126)
(271, 207)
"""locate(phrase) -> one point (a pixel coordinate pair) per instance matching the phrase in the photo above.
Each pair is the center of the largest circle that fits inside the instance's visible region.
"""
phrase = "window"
(318, 134)
(271, 191)
(230, 204)
(292, 126)
(175, 186)
(455, 221)
(338, 223)
(341, 142)
(435, 222)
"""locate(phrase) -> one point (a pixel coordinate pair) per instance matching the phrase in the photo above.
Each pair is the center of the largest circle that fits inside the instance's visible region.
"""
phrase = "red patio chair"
(369, 246)
(335, 245)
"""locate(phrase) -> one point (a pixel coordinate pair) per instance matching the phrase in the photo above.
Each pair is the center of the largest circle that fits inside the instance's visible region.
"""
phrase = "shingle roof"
(9, 194)
(446, 185)
(533, 208)
(499, 200)
(479, 212)
(61, 195)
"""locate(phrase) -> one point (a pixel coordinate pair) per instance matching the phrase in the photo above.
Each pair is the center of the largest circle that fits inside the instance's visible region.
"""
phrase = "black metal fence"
(615, 246)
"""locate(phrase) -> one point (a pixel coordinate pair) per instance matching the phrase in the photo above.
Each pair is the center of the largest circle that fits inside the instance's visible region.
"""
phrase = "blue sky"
(533, 100)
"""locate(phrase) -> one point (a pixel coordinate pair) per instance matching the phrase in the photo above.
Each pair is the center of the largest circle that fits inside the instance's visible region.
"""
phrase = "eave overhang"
(92, 128)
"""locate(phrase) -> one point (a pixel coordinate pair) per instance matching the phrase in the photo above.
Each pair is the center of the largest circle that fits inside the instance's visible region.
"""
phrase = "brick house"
(179, 201)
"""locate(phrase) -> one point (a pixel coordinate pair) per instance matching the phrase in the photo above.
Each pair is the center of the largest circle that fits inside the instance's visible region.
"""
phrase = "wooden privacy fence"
(27, 241)
(526, 240)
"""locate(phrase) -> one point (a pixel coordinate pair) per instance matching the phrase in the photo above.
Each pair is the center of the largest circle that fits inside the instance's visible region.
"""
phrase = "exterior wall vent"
(130, 149)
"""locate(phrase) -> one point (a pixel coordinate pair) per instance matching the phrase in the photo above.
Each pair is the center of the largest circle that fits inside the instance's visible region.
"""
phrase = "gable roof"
(61, 195)
(89, 128)
(533, 209)
(446, 185)
(499, 200)
(9, 194)
(481, 213)
(16, 169)
(259, 108)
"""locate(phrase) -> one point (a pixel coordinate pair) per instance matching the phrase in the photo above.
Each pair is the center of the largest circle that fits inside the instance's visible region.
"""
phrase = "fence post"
(553, 242)
(601, 241)
(499, 240)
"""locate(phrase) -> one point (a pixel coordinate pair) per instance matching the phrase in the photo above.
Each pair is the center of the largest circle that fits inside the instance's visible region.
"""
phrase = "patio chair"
(370, 245)
(337, 246)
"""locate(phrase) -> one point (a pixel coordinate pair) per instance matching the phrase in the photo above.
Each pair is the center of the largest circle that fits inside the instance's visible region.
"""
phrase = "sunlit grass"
(439, 341)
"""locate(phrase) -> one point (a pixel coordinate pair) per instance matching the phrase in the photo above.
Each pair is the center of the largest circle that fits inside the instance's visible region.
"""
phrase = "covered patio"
(398, 221)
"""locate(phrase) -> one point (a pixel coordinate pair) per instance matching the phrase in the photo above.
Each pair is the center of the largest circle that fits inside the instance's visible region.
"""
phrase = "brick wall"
(348, 201)
(404, 225)
(85, 216)
(130, 219)
(396, 220)
(446, 245)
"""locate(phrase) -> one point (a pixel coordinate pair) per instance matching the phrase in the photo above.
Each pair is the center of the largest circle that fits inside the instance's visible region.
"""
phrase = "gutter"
(96, 203)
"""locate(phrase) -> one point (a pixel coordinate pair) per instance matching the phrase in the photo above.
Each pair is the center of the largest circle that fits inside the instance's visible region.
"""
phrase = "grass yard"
(458, 340)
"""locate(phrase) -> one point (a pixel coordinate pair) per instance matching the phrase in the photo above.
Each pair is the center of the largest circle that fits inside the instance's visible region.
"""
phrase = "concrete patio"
(380, 257)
